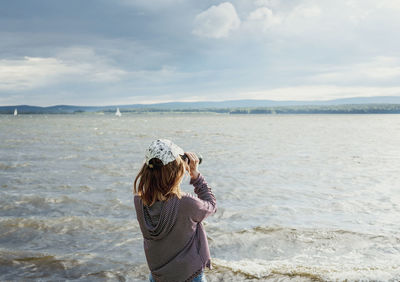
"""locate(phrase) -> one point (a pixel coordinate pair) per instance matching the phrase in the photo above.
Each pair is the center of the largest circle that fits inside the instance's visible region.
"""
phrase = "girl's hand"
(193, 165)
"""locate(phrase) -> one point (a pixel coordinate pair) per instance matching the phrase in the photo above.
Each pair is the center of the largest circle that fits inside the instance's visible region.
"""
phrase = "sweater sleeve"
(206, 203)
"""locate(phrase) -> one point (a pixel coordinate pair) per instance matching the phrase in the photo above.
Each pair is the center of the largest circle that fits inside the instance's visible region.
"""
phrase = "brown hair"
(159, 182)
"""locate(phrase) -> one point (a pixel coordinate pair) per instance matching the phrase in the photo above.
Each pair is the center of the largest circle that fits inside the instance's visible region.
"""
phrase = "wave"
(305, 234)
(32, 265)
(69, 157)
(28, 205)
(35, 265)
(66, 225)
(4, 166)
(306, 253)
(15, 265)
(80, 188)
(285, 270)
(109, 169)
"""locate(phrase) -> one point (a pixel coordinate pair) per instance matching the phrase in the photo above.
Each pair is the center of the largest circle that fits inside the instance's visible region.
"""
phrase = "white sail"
(118, 113)
(15, 112)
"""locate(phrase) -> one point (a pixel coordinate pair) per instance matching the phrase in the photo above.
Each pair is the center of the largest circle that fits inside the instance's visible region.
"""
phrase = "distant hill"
(269, 103)
(196, 106)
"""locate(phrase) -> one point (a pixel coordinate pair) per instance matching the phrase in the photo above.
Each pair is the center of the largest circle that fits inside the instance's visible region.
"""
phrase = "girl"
(175, 242)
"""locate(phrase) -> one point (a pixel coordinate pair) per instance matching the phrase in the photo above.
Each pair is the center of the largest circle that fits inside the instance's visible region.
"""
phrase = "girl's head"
(160, 176)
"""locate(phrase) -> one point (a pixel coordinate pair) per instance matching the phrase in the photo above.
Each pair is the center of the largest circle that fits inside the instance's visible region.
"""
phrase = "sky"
(101, 52)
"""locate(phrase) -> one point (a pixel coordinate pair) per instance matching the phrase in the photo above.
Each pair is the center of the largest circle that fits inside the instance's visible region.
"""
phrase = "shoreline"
(276, 110)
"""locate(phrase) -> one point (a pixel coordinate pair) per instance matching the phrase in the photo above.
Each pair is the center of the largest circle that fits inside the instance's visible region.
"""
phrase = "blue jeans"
(199, 278)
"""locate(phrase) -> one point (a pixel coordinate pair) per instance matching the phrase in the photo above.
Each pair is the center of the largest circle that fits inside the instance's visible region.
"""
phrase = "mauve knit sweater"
(175, 242)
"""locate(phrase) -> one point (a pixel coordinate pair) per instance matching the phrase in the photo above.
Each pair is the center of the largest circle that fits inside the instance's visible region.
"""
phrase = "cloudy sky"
(101, 52)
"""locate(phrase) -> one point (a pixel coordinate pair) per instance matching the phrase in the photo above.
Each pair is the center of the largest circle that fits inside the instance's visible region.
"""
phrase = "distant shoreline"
(355, 105)
(298, 109)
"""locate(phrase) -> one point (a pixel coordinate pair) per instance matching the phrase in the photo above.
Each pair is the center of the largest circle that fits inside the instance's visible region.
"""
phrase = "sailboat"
(15, 112)
(118, 113)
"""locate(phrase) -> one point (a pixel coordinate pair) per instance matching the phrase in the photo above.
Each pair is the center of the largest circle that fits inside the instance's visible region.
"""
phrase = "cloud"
(381, 69)
(298, 49)
(71, 65)
(217, 21)
(267, 3)
(281, 20)
(263, 17)
(151, 5)
(319, 92)
(306, 11)
(28, 73)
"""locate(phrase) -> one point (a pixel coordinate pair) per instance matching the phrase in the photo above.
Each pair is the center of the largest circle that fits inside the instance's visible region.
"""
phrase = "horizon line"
(196, 101)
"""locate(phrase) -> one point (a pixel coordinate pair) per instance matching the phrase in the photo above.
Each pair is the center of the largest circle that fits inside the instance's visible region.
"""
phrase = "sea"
(300, 197)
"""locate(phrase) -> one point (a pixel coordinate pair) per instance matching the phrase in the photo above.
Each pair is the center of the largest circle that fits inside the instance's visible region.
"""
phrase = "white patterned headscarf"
(163, 149)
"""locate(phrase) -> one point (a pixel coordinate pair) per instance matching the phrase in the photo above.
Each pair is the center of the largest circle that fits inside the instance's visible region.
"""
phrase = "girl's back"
(175, 241)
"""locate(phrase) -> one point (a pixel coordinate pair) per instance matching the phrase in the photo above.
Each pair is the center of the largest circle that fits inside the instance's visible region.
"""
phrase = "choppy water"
(313, 197)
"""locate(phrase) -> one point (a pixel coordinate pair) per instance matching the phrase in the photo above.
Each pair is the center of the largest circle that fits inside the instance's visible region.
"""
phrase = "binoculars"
(185, 157)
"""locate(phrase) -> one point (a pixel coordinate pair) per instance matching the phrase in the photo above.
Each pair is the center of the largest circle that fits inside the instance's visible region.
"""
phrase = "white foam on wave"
(263, 269)
(253, 268)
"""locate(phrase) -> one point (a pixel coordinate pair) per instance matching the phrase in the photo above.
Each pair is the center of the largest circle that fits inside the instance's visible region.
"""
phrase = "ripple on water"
(67, 224)
(273, 177)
